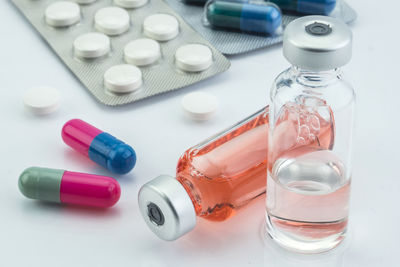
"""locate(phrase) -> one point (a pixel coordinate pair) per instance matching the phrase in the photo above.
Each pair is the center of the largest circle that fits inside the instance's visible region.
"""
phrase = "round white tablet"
(62, 14)
(85, 2)
(130, 3)
(193, 57)
(161, 27)
(123, 78)
(142, 52)
(112, 20)
(92, 45)
(42, 100)
(199, 105)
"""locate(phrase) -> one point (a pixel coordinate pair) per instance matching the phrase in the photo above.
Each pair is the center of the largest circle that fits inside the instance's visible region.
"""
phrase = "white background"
(38, 234)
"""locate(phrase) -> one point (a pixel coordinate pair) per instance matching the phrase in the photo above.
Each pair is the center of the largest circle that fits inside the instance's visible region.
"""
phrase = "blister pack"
(124, 50)
(231, 42)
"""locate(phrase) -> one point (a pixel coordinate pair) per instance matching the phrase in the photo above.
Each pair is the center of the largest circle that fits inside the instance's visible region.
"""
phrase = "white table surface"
(38, 234)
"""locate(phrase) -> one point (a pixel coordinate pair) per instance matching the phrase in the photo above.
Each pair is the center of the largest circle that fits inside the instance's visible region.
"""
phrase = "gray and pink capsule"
(69, 187)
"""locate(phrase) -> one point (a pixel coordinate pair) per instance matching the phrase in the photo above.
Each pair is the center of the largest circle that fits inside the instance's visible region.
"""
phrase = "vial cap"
(317, 43)
(167, 208)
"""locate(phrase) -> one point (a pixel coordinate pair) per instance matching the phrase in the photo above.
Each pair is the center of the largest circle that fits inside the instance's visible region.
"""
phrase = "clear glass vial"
(308, 186)
(214, 179)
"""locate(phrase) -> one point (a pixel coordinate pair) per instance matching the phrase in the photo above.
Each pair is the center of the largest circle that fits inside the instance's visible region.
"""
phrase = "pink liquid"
(227, 172)
(297, 126)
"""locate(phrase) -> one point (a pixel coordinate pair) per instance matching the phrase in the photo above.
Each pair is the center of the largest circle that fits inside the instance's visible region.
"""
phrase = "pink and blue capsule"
(100, 147)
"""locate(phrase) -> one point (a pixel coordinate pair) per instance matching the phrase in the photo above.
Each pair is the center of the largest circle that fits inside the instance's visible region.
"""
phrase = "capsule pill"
(248, 17)
(308, 7)
(69, 187)
(100, 147)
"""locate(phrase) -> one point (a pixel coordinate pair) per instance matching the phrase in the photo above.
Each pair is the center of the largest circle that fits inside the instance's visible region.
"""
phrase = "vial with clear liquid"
(308, 186)
(215, 178)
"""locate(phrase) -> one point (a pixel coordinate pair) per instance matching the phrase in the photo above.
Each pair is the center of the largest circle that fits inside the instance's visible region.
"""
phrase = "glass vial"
(214, 179)
(308, 184)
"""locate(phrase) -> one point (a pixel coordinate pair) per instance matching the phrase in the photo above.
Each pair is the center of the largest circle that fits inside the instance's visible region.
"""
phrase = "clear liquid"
(307, 200)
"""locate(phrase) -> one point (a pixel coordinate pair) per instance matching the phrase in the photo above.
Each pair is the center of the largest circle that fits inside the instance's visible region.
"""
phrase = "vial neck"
(312, 78)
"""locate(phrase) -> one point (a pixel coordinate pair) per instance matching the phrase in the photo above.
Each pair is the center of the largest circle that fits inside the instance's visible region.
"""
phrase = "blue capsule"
(263, 18)
(309, 7)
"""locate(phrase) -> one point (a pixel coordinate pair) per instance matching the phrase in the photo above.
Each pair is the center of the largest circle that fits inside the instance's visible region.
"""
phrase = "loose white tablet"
(62, 14)
(92, 45)
(130, 3)
(199, 106)
(85, 2)
(112, 20)
(193, 57)
(142, 52)
(161, 27)
(123, 78)
(42, 100)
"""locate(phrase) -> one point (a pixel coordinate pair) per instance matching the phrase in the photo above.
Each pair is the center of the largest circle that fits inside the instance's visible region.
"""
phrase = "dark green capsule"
(224, 14)
(195, 2)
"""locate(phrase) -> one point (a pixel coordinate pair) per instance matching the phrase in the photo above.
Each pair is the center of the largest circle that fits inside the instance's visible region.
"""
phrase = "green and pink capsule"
(69, 187)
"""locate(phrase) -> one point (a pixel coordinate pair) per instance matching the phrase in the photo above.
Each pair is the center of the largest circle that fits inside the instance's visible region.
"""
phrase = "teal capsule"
(249, 17)
(308, 7)
(195, 2)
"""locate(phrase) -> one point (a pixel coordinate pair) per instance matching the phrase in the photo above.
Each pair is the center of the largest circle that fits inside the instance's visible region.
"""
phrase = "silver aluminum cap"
(317, 43)
(167, 208)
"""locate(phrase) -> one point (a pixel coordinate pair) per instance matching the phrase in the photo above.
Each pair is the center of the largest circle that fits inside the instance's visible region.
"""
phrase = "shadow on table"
(275, 256)
(239, 241)
(59, 209)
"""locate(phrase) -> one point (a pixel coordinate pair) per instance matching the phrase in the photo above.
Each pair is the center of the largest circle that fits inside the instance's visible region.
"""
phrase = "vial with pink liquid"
(216, 178)
(308, 186)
